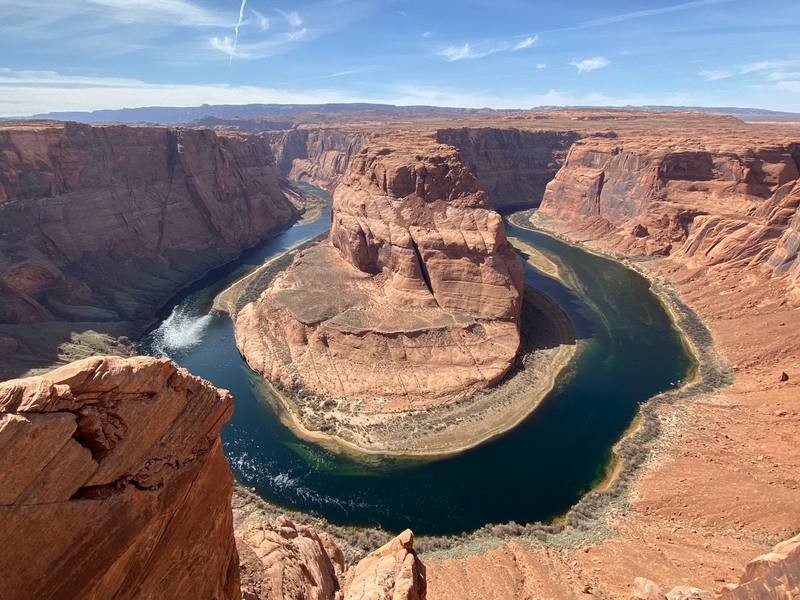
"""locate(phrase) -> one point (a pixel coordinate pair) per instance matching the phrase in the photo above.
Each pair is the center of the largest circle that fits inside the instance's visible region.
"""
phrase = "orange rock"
(414, 302)
(772, 576)
(392, 572)
(292, 562)
(113, 483)
(644, 589)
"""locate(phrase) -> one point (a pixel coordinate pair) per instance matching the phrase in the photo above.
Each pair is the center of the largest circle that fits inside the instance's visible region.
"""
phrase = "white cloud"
(427, 34)
(177, 12)
(736, 70)
(782, 75)
(541, 66)
(262, 21)
(526, 43)
(454, 53)
(651, 12)
(789, 86)
(292, 18)
(469, 50)
(224, 44)
(590, 64)
(31, 92)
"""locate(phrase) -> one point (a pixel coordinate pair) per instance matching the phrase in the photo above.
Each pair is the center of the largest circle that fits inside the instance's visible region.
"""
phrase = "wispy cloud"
(528, 42)
(31, 92)
(293, 33)
(470, 50)
(590, 64)
(650, 12)
(292, 18)
(262, 21)
(178, 12)
(727, 72)
(541, 66)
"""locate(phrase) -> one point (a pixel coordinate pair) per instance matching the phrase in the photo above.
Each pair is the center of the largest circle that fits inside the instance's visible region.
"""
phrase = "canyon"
(100, 226)
(706, 208)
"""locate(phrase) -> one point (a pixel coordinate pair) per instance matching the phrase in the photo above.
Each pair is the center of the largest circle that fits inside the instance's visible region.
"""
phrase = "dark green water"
(629, 351)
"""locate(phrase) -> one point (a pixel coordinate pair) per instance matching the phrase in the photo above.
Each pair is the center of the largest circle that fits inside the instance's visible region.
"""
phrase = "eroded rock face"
(113, 484)
(707, 203)
(102, 224)
(286, 561)
(289, 562)
(413, 302)
(317, 155)
(514, 166)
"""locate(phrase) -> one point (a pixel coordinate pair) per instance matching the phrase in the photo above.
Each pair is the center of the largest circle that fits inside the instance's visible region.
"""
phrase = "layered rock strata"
(724, 203)
(113, 484)
(413, 302)
(99, 226)
(513, 165)
(319, 156)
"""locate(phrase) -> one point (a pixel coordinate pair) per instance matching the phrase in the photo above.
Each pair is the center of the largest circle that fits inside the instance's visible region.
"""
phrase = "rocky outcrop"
(772, 576)
(319, 156)
(513, 165)
(113, 484)
(392, 572)
(414, 302)
(102, 225)
(707, 203)
(286, 561)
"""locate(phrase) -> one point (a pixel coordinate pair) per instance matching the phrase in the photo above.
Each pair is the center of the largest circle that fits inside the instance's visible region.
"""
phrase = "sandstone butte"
(414, 300)
(114, 485)
(721, 484)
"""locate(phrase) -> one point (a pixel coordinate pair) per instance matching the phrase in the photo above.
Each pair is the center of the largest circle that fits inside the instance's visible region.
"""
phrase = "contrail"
(236, 30)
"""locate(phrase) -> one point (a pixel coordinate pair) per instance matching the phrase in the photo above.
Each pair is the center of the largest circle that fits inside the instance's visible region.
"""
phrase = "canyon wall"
(726, 202)
(413, 302)
(113, 484)
(319, 156)
(513, 165)
(102, 225)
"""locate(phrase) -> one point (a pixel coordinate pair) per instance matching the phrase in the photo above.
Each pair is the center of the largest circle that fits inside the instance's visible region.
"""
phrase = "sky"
(67, 55)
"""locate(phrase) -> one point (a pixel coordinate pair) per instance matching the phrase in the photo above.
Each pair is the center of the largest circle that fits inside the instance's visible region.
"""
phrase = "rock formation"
(101, 225)
(113, 484)
(392, 572)
(772, 576)
(285, 561)
(414, 301)
(319, 156)
(705, 202)
(513, 165)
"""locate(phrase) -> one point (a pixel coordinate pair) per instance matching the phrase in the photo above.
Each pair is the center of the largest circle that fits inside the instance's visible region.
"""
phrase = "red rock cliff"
(104, 224)
(513, 165)
(319, 156)
(708, 203)
(113, 484)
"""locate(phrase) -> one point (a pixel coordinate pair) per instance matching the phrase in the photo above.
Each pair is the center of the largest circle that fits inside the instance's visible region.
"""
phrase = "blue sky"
(90, 54)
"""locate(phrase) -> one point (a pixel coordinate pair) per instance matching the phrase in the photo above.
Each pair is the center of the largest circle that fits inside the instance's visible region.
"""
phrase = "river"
(629, 350)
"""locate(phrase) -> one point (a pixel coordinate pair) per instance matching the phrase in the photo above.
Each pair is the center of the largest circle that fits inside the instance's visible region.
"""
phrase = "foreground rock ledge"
(412, 303)
(113, 484)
